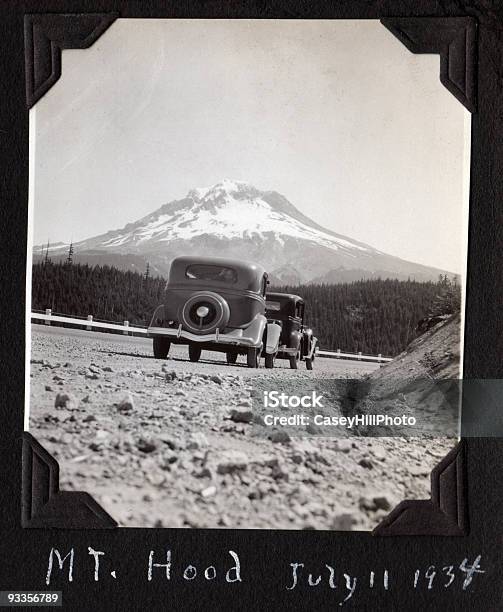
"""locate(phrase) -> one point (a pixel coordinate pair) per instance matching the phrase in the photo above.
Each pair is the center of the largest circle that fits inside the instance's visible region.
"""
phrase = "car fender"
(313, 348)
(272, 338)
(307, 341)
(256, 329)
(295, 340)
(158, 317)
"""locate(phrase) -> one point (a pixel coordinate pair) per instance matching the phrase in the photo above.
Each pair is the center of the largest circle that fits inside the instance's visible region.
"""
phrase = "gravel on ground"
(170, 443)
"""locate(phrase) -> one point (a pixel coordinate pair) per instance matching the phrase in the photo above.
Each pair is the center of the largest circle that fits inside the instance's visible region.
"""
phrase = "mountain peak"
(222, 188)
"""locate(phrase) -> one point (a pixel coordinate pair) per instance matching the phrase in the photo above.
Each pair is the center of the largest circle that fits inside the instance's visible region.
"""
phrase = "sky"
(338, 116)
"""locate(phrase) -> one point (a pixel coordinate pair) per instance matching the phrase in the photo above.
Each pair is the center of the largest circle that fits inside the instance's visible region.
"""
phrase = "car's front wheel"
(252, 358)
(194, 352)
(161, 347)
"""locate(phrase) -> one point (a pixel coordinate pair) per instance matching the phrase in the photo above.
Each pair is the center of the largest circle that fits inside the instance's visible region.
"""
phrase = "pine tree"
(46, 258)
(69, 259)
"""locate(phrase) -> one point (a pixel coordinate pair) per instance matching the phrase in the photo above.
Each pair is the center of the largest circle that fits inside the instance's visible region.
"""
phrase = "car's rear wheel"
(269, 360)
(161, 347)
(231, 358)
(252, 358)
(294, 361)
(194, 352)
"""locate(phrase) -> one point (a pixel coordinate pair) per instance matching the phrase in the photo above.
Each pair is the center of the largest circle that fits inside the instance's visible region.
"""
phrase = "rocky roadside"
(175, 444)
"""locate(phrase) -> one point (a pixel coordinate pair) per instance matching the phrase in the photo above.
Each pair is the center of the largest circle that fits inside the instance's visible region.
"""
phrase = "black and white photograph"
(247, 249)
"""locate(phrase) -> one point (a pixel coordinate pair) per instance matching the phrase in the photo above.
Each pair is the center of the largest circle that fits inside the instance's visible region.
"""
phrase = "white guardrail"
(358, 356)
(127, 329)
(88, 323)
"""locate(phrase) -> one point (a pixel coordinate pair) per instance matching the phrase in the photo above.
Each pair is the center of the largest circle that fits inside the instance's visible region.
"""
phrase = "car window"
(211, 273)
(273, 306)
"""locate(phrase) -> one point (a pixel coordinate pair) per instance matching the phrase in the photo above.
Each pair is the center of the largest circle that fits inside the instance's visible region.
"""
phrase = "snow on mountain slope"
(227, 210)
(235, 219)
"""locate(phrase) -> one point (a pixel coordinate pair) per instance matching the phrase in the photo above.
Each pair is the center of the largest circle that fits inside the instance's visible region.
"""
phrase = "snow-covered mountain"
(234, 219)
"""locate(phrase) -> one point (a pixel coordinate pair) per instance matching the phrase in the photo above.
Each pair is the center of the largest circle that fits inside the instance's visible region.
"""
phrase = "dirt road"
(173, 443)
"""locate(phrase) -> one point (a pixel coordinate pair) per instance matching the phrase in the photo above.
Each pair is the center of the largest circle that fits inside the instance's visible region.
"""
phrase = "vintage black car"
(215, 304)
(296, 341)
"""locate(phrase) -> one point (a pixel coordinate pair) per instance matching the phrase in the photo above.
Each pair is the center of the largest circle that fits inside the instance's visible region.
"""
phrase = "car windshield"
(211, 273)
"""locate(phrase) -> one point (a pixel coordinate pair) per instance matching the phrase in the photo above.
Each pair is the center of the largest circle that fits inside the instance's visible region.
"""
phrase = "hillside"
(422, 381)
(374, 316)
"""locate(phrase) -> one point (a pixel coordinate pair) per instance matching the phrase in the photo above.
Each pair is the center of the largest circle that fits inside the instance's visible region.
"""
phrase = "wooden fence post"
(90, 319)
(126, 325)
(48, 312)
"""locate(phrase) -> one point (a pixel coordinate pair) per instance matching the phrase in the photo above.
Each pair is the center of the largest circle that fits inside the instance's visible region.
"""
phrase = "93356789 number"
(31, 598)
